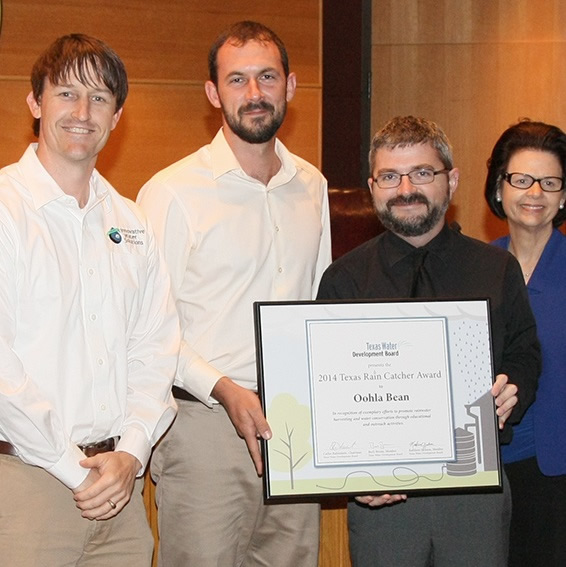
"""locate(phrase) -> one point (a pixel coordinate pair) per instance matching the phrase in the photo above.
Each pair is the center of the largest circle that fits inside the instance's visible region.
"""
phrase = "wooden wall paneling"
(161, 39)
(163, 123)
(16, 122)
(151, 510)
(475, 68)
(164, 44)
(467, 21)
(334, 551)
(160, 124)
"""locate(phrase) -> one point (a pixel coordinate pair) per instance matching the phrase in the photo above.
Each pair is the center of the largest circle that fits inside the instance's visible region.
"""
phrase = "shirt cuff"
(136, 443)
(68, 470)
(201, 382)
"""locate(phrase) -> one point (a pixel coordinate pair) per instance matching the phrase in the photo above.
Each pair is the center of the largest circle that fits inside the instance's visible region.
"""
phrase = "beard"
(415, 226)
(262, 128)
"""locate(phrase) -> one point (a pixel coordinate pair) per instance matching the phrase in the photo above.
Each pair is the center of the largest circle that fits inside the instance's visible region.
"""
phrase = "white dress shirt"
(88, 333)
(230, 240)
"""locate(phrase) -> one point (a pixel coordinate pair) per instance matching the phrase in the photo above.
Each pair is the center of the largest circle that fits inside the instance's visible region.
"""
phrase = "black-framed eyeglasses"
(524, 181)
(422, 176)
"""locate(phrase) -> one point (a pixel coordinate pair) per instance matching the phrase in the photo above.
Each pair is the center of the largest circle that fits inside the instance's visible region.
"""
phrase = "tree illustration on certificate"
(290, 448)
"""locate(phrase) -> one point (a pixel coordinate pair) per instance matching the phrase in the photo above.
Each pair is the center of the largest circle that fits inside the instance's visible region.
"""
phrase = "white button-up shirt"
(230, 240)
(88, 333)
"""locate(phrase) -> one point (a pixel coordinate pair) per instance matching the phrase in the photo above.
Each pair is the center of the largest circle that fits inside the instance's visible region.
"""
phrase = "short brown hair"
(86, 57)
(239, 34)
(403, 131)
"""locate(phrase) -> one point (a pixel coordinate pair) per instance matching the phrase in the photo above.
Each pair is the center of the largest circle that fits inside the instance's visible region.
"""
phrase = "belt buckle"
(92, 449)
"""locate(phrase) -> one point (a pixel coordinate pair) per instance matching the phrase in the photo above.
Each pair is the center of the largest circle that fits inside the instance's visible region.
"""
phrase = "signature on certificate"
(341, 445)
(421, 445)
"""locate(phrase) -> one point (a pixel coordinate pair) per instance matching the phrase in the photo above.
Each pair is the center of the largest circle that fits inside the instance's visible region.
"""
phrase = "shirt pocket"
(126, 284)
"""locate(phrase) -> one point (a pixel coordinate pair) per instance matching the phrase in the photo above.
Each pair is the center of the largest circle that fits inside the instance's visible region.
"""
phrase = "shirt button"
(102, 407)
(93, 316)
(280, 270)
(90, 272)
(100, 362)
(276, 228)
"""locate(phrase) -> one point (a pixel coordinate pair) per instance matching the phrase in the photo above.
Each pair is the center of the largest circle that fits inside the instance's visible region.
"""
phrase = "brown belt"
(7, 449)
(180, 394)
(101, 447)
(89, 450)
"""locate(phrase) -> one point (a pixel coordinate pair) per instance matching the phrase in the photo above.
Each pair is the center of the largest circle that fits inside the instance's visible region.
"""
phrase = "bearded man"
(240, 220)
(413, 180)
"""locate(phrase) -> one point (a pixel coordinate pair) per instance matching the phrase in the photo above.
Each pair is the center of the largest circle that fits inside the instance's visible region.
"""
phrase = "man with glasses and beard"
(413, 180)
(240, 220)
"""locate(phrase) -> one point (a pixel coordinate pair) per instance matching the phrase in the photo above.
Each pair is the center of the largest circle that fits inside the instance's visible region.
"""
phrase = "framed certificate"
(367, 397)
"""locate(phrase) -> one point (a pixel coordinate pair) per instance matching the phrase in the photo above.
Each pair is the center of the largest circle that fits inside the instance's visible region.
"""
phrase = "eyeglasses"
(392, 179)
(524, 181)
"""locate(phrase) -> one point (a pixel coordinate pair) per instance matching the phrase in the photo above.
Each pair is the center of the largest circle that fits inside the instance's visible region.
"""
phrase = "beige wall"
(475, 67)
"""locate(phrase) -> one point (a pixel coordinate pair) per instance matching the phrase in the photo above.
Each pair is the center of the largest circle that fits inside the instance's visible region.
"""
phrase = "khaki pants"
(210, 501)
(41, 526)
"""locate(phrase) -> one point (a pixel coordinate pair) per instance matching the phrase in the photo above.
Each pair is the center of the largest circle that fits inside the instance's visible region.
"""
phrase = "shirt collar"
(222, 157)
(397, 249)
(224, 161)
(44, 188)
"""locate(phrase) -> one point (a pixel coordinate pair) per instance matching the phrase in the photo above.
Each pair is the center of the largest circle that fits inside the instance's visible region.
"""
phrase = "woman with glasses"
(525, 185)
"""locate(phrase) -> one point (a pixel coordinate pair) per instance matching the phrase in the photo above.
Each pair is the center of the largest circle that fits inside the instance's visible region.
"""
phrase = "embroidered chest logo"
(114, 235)
(134, 236)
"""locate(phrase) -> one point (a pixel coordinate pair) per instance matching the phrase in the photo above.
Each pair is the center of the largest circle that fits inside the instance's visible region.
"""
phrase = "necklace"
(526, 275)
(531, 270)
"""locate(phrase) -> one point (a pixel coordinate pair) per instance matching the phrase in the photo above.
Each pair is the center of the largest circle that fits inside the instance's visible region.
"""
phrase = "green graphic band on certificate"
(380, 391)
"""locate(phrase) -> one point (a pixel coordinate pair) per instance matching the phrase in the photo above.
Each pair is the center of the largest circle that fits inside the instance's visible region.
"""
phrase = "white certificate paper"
(380, 390)
(366, 397)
